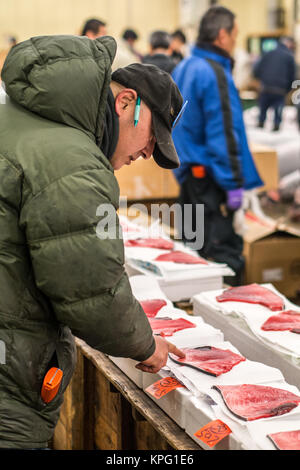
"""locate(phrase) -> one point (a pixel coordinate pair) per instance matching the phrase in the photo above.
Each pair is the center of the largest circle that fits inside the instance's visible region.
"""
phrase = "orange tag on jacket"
(51, 384)
(213, 433)
(198, 171)
(162, 387)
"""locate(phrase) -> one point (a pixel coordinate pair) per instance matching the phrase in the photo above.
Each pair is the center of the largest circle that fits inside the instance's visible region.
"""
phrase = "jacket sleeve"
(79, 270)
(222, 145)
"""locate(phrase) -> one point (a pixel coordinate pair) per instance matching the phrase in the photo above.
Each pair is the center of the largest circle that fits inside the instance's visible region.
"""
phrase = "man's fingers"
(174, 350)
(148, 369)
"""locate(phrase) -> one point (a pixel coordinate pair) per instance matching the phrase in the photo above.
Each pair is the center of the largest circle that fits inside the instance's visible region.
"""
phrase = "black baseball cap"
(162, 96)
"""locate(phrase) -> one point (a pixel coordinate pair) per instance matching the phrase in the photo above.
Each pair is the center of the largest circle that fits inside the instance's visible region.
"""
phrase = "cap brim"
(164, 152)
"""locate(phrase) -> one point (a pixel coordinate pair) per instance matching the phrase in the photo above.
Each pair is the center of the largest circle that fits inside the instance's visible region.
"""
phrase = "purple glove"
(235, 199)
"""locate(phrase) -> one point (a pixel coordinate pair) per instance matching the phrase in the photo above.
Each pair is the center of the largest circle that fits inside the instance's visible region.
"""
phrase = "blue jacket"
(211, 131)
(276, 69)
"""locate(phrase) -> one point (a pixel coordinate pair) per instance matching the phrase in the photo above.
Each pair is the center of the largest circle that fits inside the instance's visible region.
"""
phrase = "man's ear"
(222, 35)
(124, 99)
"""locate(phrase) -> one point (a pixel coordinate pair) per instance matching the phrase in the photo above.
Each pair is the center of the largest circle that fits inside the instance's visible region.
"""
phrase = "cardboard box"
(144, 179)
(272, 252)
(266, 161)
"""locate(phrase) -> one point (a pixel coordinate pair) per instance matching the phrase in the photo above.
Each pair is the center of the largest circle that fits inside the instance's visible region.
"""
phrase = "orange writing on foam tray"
(213, 433)
(162, 387)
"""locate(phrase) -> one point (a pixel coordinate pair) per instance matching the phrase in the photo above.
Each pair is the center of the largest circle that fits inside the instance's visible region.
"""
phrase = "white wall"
(27, 18)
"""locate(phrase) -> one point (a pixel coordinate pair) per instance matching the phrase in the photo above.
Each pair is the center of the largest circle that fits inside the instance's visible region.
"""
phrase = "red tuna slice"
(159, 243)
(181, 258)
(289, 440)
(152, 307)
(210, 360)
(253, 294)
(251, 402)
(284, 321)
(167, 326)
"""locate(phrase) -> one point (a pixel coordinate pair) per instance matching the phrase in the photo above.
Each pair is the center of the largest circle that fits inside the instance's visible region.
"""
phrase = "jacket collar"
(111, 127)
(210, 51)
(284, 48)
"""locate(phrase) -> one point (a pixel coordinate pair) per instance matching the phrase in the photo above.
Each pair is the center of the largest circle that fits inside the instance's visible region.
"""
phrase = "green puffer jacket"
(56, 275)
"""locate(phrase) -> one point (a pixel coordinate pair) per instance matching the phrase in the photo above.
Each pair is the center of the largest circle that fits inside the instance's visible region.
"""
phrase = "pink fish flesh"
(167, 326)
(181, 258)
(152, 307)
(251, 402)
(284, 321)
(253, 294)
(159, 243)
(289, 440)
(210, 360)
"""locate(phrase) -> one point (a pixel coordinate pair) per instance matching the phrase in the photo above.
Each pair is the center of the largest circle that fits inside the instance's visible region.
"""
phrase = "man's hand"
(160, 356)
(235, 199)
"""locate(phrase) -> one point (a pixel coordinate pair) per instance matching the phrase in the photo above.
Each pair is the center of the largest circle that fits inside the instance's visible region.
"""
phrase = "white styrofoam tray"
(244, 372)
(174, 403)
(236, 330)
(128, 367)
(199, 413)
(192, 338)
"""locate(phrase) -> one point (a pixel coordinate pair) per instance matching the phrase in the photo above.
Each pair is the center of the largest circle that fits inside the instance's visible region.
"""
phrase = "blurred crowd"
(165, 49)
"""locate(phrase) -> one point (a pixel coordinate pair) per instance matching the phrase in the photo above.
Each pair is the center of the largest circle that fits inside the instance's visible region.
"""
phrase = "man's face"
(102, 31)
(176, 44)
(227, 40)
(134, 142)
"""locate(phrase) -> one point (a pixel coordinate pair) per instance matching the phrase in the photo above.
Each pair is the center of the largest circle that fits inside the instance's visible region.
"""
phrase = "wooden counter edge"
(164, 425)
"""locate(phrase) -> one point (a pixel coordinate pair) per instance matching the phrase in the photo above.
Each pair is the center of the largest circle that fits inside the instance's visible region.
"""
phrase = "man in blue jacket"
(210, 139)
(276, 70)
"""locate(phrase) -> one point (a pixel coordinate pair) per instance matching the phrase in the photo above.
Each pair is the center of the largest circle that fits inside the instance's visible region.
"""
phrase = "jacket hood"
(62, 78)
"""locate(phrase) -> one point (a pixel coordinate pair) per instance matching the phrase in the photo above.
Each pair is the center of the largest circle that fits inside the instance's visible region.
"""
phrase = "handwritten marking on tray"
(162, 387)
(213, 433)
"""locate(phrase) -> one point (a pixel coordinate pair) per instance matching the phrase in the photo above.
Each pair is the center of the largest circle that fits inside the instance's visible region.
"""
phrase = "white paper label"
(271, 275)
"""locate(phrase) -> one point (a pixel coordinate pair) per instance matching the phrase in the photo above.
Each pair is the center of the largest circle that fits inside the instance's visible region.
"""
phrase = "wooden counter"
(104, 410)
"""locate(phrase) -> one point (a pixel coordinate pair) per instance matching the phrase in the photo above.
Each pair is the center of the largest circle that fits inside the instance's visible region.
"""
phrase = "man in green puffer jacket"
(64, 129)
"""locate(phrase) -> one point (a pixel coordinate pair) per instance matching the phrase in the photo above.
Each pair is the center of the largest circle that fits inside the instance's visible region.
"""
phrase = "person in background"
(160, 51)
(177, 45)
(276, 70)
(94, 28)
(210, 139)
(12, 41)
(131, 37)
(126, 53)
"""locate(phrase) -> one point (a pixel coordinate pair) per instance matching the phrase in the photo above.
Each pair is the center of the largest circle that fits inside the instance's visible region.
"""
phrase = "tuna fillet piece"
(152, 307)
(289, 440)
(159, 243)
(251, 402)
(253, 294)
(167, 326)
(210, 360)
(181, 258)
(284, 321)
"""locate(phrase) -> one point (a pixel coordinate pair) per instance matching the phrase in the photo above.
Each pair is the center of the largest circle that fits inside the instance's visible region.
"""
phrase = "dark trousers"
(270, 100)
(221, 243)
